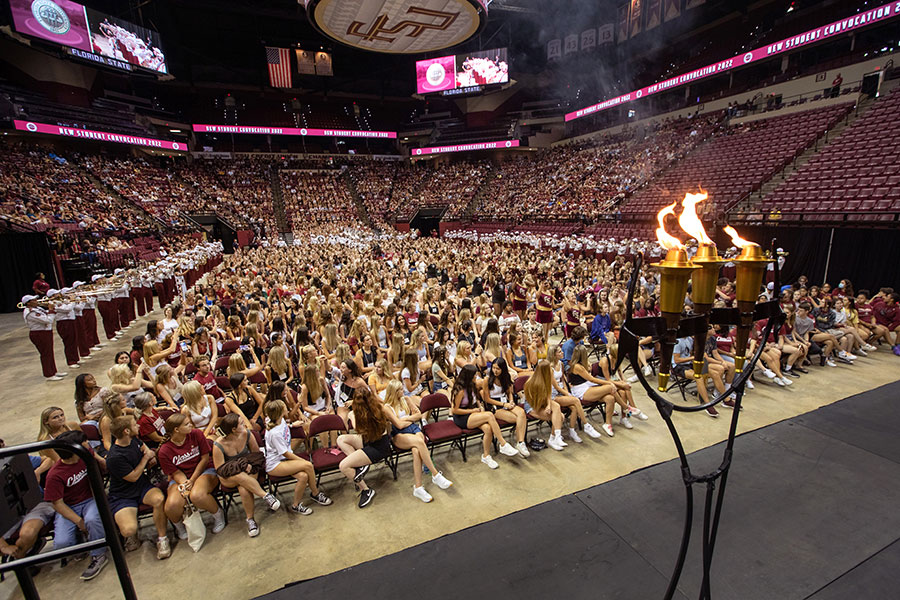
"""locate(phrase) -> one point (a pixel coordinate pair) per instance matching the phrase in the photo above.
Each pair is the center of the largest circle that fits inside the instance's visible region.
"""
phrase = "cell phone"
(245, 348)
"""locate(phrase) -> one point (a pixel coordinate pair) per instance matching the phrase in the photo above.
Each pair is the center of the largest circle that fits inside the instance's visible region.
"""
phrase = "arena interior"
(396, 298)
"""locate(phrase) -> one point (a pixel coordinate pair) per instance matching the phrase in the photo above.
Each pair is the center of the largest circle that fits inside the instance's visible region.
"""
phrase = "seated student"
(601, 325)
(151, 426)
(825, 343)
(578, 333)
(469, 413)
(168, 386)
(517, 356)
(371, 444)
(886, 311)
(27, 530)
(866, 312)
(497, 395)
(236, 443)
(682, 359)
(206, 378)
(282, 462)
(406, 433)
(367, 355)
(440, 370)
(414, 384)
(590, 389)
(826, 321)
(245, 401)
(129, 486)
(68, 489)
(379, 378)
(184, 458)
(561, 395)
(538, 398)
(200, 408)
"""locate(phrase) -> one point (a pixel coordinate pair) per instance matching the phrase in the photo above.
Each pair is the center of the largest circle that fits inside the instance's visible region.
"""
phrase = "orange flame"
(738, 240)
(689, 221)
(668, 242)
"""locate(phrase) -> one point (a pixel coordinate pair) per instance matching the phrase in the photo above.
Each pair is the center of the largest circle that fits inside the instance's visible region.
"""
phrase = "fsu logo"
(51, 16)
(435, 74)
(379, 29)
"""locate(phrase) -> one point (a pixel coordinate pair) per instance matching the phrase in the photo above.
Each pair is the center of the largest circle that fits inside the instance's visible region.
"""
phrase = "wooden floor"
(292, 548)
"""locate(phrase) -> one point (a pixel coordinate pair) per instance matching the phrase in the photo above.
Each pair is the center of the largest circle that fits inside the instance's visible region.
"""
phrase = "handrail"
(110, 533)
(775, 217)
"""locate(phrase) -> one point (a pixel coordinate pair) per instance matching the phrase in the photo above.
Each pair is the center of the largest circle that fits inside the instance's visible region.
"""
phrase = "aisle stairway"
(354, 193)
(114, 193)
(278, 201)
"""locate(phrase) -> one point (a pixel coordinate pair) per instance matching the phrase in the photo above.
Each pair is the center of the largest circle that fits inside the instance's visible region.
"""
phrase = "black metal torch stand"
(635, 328)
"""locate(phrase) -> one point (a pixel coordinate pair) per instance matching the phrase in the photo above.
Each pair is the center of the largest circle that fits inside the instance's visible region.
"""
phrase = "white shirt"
(38, 319)
(278, 441)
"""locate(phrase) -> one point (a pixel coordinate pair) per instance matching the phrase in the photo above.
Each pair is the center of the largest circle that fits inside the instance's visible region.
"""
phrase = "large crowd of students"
(347, 346)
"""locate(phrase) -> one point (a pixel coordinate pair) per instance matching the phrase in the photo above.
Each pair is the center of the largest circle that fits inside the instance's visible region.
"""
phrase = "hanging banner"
(654, 14)
(623, 23)
(306, 62)
(571, 44)
(588, 39)
(554, 49)
(323, 64)
(636, 15)
(606, 34)
(689, 4)
(672, 9)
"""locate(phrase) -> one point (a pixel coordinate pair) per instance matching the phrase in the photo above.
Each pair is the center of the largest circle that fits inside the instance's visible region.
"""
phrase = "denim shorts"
(208, 471)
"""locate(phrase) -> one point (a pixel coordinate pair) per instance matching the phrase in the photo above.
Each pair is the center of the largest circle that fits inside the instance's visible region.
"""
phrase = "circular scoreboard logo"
(407, 27)
(748, 57)
(435, 74)
(51, 16)
(175, 146)
(31, 127)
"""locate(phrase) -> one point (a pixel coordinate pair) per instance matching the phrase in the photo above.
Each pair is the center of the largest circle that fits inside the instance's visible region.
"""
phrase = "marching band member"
(40, 332)
(120, 301)
(106, 304)
(66, 328)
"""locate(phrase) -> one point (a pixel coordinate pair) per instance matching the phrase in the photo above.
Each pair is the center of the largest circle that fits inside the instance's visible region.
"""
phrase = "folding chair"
(441, 432)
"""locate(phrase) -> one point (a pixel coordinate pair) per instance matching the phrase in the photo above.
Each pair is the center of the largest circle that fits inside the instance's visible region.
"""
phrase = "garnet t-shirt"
(67, 482)
(185, 457)
(147, 424)
(208, 382)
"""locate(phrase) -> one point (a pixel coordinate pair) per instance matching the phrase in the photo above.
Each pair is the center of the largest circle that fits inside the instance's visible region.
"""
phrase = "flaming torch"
(675, 272)
(704, 279)
(751, 264)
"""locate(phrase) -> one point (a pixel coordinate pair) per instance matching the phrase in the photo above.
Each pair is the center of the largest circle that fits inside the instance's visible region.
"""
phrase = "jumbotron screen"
(89, 34)
(469, 70)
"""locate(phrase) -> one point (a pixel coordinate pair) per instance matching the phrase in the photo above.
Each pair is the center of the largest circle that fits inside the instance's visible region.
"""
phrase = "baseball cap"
(28, 298)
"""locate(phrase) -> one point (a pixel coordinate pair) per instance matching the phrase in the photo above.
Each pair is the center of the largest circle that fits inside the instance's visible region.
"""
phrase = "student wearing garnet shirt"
(151, 426)
(185, 459)
(69, 491)
(867, 322)
(887, 314)
(207, 379)
(129, 486)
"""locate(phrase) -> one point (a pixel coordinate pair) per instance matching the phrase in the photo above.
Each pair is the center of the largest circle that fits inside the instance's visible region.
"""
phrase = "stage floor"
(810, 512)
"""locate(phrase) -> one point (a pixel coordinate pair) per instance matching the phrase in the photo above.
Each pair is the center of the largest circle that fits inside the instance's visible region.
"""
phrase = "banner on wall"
(588, 39)
(623, 23)
(636, 15)
(99, 136)
(306, 62)
(654, 15)
(323, 64)
(672, 9)
(554, 49)
(571, 44)
(606, 34)
(465, 147)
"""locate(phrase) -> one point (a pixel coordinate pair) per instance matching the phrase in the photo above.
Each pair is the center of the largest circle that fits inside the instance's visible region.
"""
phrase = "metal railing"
(110, 538)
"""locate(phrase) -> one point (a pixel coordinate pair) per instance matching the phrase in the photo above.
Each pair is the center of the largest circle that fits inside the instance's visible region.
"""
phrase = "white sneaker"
(636, 412)
(846, 355)
(441, 481)
(830, 362)
(489, 461)
(589, 429)
(608, 429)
(769, 373)
(750, 385)
(523, 449)
(870, 348)
(779, 381)
(573, 434)
(218, 521)
(786, 381)
(75, 366)
(554, 443)
(180, 530)
(508, 450)
(626, 423)
(632, 379)
(54, 378)
(862, 352)
(648, 370)
(422, 494)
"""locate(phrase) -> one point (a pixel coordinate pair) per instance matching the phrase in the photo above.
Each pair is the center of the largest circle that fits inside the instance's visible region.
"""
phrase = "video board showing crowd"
(471, 70)
(89, 34)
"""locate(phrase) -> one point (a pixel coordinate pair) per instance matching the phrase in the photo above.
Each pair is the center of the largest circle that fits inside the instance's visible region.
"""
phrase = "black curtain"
(870, 258)
(21, 256)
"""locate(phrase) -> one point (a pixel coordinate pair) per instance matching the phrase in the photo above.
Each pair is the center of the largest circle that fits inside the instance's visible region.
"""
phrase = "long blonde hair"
(539, 386)
(150, 348)
(393, 397)
(342, 353)
(395, 352)
(312, 382)
(277, 360)
(330, 339)
(236, 364)
(193, 395)
(492, 345)
(120, 375)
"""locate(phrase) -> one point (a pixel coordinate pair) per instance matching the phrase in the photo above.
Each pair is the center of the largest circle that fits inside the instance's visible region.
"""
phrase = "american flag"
(279, 60)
